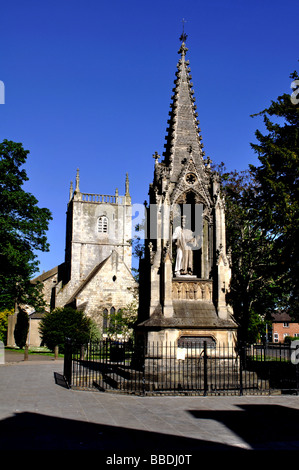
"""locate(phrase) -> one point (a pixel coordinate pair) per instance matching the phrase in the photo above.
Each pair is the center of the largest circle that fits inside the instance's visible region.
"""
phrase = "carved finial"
(208, 163)
(156, 156)
(183, 49)
(127, 185)
(183, 39)
(77, 181)
(71, 190)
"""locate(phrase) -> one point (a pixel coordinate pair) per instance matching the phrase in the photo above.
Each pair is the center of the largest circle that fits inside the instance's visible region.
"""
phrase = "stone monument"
(185, 273)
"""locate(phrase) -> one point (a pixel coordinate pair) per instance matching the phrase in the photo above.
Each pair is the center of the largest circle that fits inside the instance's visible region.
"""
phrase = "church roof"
(46, 275)
(88, 278)
(92, 274)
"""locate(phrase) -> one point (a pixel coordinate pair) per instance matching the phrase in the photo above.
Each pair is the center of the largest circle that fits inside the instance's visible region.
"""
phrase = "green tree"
(21, 328)
(278, 192)
(122, 321)
(23, 227)
(262, 222)
(4, 324)
(253, 291)
(63, 323)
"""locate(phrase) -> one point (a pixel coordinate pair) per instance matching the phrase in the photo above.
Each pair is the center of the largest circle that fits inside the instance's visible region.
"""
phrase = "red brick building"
(283, 326)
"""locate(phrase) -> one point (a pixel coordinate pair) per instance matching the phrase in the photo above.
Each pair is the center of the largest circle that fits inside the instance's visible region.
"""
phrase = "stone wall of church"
(112, 287)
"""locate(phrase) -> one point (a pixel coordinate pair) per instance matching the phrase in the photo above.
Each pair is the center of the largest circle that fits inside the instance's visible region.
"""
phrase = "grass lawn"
(34, 350)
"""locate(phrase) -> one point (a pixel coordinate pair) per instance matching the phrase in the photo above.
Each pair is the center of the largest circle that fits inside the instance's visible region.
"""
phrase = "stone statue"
(186, 243)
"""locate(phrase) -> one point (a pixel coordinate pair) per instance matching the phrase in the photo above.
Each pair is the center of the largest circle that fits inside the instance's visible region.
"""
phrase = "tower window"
(103, 224)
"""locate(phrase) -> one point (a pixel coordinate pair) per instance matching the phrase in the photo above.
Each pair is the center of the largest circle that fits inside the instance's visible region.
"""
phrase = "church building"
(96, 275)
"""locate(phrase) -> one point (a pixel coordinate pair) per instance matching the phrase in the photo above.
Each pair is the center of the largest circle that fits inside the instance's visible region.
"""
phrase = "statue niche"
(187, 236)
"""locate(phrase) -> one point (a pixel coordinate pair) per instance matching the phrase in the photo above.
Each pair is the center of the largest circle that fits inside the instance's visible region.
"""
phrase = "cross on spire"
(183, 36)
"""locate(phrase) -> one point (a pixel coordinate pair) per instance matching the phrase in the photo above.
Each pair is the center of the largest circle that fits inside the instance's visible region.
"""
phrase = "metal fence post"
(205, 368)
(67, 365)
(242, 352)
(141, 354)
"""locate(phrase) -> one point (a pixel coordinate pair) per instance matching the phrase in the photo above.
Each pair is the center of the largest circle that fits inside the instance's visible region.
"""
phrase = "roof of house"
(281, 317)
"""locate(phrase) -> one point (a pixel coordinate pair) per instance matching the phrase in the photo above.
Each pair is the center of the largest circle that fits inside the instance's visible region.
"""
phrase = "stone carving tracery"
(192, 290)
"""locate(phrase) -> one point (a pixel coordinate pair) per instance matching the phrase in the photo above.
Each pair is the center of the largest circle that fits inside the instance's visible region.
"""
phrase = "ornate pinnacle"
(77, 181)
(127, 185)
(71, 191)
(156, 156)
(183, 50)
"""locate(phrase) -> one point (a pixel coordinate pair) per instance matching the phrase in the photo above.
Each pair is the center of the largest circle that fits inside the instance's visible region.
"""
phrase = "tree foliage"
(23, 227)
(277, 178)
(4, 314)
(253, 289)
(262, 222)
(21, 328)
(63, 323)
(122, 321)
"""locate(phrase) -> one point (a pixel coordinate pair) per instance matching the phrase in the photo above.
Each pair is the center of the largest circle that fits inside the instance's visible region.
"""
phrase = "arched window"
(103, 224)
(119, 321)
(112, 316)
(105, 320)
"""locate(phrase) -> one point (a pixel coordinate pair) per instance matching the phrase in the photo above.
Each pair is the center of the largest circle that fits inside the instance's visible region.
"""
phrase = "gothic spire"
(183, 134)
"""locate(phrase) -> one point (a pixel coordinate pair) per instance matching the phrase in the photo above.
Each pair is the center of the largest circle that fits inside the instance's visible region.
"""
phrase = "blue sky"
(88, 85)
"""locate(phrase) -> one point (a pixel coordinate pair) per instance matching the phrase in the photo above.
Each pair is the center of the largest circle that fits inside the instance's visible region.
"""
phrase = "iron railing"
(196, 368)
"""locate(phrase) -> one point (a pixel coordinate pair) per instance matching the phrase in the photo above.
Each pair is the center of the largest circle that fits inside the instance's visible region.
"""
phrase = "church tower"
(96, 275)
(97, 225)
(185, 273)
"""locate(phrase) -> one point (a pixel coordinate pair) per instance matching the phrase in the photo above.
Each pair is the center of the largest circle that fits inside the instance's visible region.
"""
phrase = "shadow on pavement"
(60, 380)
(263, 427)
(32, 431)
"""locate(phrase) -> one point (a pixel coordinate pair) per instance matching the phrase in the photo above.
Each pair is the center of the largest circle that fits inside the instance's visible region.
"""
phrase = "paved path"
(37, 412)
